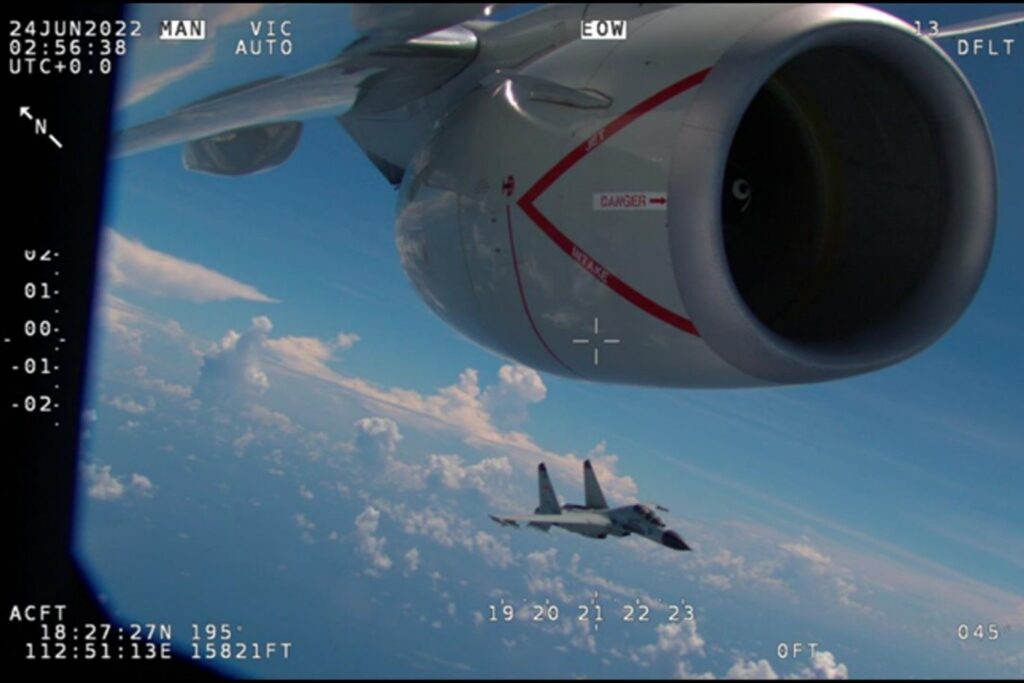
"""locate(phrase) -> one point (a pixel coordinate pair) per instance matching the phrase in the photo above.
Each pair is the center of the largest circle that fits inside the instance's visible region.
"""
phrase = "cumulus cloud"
(837, 581)
(380, 436)
(131, 264)
(141, 484)
(304, 349)
(131, 406)
(102, 485)
(440, 526)
(675, 639)
(542, 576)
(455, 475)
(450, 472)
(377, 436)
(129, 324)
(243, 442)
(606, 586)
(270, 418)
(310, 352)
(684, 672)
(232, 372)
(345, 340)
(447, 528)
(493, 551)
(552, 586)
(541, 561)
(759, 670)
(463, 407)
(121, 319)
(307, 527)
(518, 386)
(716, 581)
(412, 560)
(370, 545)
(818, 562)
(729, 568)
(824, 666)
(141, 375)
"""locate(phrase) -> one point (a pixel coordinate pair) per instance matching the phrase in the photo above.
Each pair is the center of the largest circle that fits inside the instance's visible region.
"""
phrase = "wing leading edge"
(569, 519)
(376, 71)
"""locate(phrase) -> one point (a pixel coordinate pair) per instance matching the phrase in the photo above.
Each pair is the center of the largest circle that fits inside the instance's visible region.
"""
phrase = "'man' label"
(183, 29)
(630, 201)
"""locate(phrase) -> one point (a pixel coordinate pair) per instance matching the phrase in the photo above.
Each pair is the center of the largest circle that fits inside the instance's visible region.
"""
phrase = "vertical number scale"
(34, 349)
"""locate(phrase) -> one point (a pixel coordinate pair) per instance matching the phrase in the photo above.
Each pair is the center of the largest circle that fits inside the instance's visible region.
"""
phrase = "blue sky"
(282, 436)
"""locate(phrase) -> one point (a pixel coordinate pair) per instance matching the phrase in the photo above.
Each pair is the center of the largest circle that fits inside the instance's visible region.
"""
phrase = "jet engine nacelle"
(734, 196)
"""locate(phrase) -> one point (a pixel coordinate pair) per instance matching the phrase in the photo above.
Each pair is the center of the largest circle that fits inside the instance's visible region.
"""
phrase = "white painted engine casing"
(500, 225)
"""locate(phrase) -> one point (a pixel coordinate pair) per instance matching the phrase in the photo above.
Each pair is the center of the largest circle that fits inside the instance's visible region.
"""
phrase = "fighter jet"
(594, 518)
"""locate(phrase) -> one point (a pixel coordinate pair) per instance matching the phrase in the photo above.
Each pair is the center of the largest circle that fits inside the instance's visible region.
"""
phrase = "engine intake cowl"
(832, 196)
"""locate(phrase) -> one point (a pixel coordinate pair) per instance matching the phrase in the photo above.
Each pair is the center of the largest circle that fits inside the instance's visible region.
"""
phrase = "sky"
(282, 437)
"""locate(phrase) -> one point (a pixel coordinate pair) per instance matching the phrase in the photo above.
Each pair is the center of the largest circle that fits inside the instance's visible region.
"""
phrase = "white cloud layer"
(132, 265)
(466, 409)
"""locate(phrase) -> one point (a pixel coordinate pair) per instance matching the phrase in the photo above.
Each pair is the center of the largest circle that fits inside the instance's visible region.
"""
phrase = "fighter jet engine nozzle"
(672, 540)
(832, 196)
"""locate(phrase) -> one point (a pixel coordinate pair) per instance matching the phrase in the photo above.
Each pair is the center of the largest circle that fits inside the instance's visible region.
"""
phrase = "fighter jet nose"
(673, 540)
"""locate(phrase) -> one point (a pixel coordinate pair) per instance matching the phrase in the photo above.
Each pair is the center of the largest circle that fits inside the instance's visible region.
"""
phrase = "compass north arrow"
(23, 111)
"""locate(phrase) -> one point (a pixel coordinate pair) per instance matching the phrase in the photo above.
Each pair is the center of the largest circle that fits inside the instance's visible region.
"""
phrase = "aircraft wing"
(978, 25)
(566, 519)
(325, 90)
(398, 22)
(403, 50)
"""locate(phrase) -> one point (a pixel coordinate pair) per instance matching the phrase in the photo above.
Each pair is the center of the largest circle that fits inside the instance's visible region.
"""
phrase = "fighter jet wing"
(564, 520)
(403, 49)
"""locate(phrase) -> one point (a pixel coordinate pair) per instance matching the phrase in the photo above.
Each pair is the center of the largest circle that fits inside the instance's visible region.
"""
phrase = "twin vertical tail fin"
(591, 489)
(548, 500)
